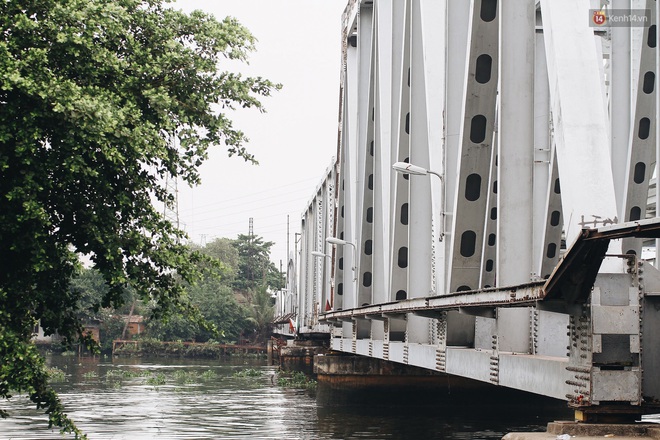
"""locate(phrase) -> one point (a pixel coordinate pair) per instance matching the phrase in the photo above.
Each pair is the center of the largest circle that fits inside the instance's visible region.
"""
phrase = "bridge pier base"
(586, 431)
(341, 371)
(298, 355)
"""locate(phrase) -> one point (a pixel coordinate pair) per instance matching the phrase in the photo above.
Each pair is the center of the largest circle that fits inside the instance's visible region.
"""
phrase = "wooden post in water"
(269, 351)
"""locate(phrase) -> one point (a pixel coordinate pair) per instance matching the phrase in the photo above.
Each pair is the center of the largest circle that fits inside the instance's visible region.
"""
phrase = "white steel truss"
(536, 129)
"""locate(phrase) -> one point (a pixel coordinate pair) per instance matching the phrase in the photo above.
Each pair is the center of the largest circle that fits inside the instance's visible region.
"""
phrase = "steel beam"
(366, 154)
(580, 125)
(401, 146)
(382, 159)
(515, 167)
(641, 153)
(476, 136)
(620, 84)
(458, 18)
(516, 141)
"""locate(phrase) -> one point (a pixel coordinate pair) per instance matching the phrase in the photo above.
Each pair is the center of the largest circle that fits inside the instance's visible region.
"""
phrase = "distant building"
(39, 337)
(136, 325)
(93, 326)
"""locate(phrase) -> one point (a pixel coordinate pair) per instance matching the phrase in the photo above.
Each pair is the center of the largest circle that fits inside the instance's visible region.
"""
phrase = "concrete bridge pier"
(298, 355)
(588, 431)
(345, 371)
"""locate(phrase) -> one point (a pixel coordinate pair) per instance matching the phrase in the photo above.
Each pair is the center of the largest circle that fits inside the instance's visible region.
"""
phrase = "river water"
(141, 399)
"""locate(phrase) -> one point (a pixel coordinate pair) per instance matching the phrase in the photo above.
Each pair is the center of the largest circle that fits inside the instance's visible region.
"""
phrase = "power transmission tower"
(171, 208)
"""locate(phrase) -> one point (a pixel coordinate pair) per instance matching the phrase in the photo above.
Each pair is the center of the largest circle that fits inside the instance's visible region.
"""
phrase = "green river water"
(181, 399)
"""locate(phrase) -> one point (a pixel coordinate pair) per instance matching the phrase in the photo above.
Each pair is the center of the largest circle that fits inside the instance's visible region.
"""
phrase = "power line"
(253, 194)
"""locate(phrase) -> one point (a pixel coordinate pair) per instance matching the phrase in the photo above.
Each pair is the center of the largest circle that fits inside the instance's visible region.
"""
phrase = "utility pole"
(250, 249)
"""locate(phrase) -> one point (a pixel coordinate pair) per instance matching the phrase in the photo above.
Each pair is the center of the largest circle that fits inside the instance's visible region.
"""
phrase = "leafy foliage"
(221, 298)
(261, 313)
(94, 96)
(235, 314)
(255, 268)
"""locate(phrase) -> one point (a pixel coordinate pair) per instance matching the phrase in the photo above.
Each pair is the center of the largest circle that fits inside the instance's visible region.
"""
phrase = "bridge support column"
(588, 431)
(299, 355)
(351, 372)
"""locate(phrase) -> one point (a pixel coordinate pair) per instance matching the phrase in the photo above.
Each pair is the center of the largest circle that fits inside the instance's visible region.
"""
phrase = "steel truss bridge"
(489, 204)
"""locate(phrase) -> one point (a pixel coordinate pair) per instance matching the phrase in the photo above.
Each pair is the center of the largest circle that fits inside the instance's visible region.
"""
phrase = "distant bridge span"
(516, 127)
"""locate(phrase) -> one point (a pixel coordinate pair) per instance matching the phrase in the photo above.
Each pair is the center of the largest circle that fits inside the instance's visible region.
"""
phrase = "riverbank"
(180, 349)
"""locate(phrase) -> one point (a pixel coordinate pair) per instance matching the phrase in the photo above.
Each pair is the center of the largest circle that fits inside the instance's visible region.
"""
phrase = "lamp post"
(340, 242)
(408, 168)
(324, 300)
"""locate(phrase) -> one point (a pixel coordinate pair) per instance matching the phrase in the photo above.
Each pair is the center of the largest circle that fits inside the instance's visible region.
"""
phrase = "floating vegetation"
(248, 372)
(114, 374)
(178, 378)
(126, 374)
(295, 379)
(185, 376)
(156, 380)
(208, 375)
(115, 377)
(56, 375)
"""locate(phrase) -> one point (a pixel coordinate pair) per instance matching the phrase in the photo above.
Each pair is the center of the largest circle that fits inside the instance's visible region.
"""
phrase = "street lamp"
(320, 254)
(408, 168)
(340, 242)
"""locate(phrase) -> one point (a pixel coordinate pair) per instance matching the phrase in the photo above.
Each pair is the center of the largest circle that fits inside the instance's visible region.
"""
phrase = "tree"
(261, 313)
(219, 306)
(255, 268)
(102, 101)
(223, 250)
(214, 297)
(90, 288)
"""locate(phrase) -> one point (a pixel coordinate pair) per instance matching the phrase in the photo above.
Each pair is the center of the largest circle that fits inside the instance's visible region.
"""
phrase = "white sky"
(300, 47)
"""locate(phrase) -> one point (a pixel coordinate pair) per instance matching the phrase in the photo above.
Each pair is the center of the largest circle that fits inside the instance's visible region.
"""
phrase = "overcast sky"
(294, 142)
